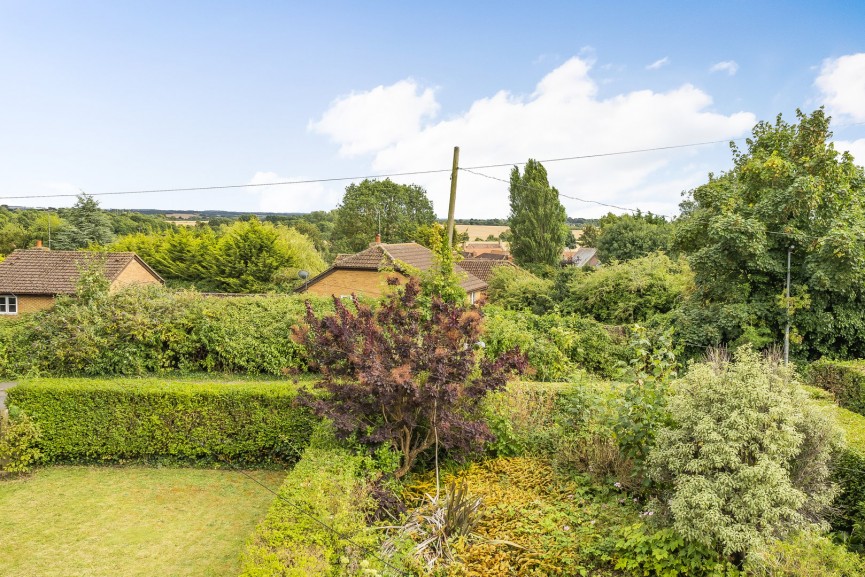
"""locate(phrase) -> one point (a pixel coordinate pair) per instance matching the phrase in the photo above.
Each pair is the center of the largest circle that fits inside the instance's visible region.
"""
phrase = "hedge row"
(145, 330)
(120, 420)
(327, 485)
(844, 379)
(849, 468)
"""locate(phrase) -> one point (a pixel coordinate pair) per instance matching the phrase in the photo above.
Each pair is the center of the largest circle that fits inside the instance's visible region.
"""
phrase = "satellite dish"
(303, 274)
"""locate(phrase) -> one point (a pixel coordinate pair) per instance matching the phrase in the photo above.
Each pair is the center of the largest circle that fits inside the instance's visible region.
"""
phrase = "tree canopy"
(394, 210)
(86, 224)
(538, 221)
(631, 236)
(790, 188)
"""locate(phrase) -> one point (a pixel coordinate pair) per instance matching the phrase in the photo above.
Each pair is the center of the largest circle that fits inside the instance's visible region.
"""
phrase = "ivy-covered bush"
(844, 379)
(18, 442)
(120, 420)
(144, 330)
(556, 345)
(745, 459)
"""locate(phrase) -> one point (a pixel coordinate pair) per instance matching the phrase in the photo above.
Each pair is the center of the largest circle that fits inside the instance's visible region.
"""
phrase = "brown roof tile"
(54, 272)
(482, 268)
(381, 256)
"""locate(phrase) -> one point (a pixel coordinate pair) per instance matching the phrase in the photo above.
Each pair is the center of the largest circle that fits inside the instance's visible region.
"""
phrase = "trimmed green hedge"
(328, 484)
(844, 379)
(849, 467)
(119, 420)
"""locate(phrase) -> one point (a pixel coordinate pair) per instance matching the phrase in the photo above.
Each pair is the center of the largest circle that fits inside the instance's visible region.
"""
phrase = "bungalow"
(365, 273)
(31, 279)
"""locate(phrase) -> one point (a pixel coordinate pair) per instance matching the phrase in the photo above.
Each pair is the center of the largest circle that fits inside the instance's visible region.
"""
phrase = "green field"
(130, 521)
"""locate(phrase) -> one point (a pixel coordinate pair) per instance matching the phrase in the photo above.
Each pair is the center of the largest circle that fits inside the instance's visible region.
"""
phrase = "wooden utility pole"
(453, 202)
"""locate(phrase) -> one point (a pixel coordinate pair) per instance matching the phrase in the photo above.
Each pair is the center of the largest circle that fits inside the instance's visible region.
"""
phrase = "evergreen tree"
(538, 220)
(86, 224)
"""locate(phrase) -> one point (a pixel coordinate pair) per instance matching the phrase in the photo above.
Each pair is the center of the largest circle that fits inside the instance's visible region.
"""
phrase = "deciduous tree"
(790, 188)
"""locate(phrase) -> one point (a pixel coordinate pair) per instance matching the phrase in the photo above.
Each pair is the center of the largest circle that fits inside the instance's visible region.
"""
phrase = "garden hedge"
(151, 420)
(848, 470)
(844, 379)
(328, 486)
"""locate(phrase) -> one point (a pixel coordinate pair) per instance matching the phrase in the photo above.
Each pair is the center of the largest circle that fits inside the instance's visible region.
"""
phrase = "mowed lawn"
(130, 521)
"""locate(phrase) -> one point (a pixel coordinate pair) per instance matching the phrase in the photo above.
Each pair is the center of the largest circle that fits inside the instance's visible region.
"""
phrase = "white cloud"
(658, 63)
(293, 197)
(855, 147)
(728, 66)
(364, 122)
(564, 117)
(842, 86)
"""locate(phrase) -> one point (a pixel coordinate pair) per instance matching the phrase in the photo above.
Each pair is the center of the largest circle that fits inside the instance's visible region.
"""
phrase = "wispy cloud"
(728, 66)
(658, 63)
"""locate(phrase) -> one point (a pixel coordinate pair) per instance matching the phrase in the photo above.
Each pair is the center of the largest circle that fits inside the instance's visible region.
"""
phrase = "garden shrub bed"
(155, 420)
(326, 487)
(844, 379)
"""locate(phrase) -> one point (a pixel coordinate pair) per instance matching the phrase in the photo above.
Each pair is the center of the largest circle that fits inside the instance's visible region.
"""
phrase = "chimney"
(39, 245)
(378, 238)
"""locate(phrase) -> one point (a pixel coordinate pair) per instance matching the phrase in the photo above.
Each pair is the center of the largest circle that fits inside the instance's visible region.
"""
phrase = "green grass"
(130, 521)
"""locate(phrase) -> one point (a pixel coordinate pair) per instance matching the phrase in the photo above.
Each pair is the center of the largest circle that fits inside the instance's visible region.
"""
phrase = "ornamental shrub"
(807, 554)
(151, 420)
(18, 442)
(405, 375)
(729, 460)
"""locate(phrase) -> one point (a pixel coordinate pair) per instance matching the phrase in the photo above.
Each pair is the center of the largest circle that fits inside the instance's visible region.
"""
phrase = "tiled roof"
(381, 256)
(482, 268)
(55, 272)
(579, 256)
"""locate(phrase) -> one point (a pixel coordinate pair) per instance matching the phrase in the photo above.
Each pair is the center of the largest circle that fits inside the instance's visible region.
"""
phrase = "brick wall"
(345, 282)
(33, 303)
(134, 273)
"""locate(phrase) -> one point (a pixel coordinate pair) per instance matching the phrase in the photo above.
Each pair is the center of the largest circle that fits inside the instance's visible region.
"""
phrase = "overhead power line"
(524, 187)
(371, 176)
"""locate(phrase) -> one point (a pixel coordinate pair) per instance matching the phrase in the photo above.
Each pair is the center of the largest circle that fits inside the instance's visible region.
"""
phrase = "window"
(8, 305)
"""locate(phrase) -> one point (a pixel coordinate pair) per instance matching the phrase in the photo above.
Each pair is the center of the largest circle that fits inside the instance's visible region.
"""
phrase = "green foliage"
(790, 188)
(247, 256)
(556, 345)
(19, 439)
(848, 470)
(664, 552)
(121, 420)
(631, 236)
(807, 554)
(844, 379)
(642, 409)
(629, 292)
(92, 283)
(537, 219)
(327, 485)
(142, 330)
(730, 458)
(394, 210)
(86, 225)
(524, 418)
(517, 289)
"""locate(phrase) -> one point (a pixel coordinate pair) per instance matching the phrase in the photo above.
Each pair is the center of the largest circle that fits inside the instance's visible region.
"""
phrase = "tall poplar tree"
(538, 220)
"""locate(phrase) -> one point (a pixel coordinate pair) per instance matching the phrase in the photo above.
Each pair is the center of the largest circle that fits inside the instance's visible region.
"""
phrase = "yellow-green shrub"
(117, 420)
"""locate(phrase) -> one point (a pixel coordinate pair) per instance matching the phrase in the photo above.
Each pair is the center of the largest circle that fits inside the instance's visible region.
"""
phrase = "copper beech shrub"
(405, 373)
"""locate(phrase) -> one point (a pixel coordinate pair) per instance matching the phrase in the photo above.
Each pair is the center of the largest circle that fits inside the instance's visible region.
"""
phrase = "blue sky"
(117, 96)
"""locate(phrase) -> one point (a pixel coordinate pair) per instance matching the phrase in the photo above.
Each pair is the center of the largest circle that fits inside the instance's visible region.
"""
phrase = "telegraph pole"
(453, 201)
(787, 329)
